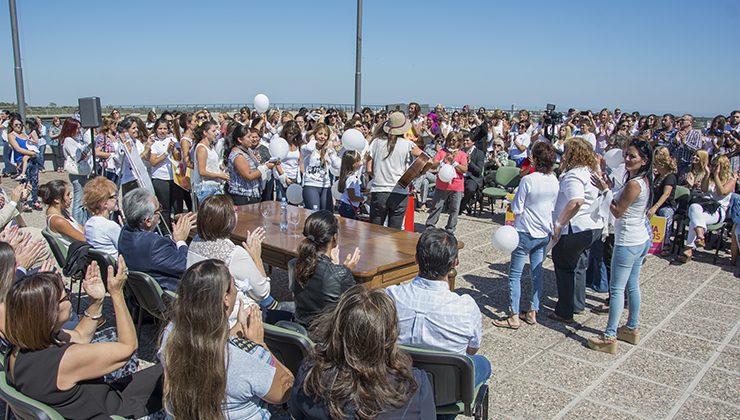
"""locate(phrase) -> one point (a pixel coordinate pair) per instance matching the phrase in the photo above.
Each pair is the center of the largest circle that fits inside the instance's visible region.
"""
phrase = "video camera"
(551, 117)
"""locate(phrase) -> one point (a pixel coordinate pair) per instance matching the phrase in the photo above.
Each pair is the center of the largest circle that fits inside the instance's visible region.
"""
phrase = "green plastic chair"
(148, 296)
(452, 377)
(507, 178)
(289, 343)
(510, 162)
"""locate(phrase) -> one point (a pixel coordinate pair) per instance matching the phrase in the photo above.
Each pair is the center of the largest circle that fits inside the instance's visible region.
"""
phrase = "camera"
(551, 117)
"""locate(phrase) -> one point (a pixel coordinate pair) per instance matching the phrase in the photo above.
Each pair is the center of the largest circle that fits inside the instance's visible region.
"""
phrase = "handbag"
(707, 203)
(71, 166)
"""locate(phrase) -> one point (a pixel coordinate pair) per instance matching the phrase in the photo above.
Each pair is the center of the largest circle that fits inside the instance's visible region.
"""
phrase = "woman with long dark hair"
(162, 158)
(130, 137)
(24, 157)
(245, 166)
(319, 277)
(57, 195)
(356, 369)
(349, 185)
(290, 170)
(77, 163)
(632, 239)
(207, 177)
(211, 371)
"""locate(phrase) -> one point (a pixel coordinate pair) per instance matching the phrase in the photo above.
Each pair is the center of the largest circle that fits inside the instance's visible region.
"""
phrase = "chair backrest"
(510, 162)
(682, 196)
(290, 347)
(104, 261)
(149, 295)
(58, 250)
(24, 407)
(451, 374)
(507, 176)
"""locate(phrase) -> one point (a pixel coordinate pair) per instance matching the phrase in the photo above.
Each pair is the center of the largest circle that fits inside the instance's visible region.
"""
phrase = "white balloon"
(294, 194)
(446, 173)
(353, 139)
(335, 190)
(279, 148)
(261, 103)
(613, 158)
(505, 239)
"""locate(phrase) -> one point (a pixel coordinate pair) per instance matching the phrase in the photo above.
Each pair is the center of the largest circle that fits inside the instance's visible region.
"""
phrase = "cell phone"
(274, 159)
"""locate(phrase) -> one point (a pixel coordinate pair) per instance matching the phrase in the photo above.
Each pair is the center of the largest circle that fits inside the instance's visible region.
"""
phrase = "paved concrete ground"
(686, 366)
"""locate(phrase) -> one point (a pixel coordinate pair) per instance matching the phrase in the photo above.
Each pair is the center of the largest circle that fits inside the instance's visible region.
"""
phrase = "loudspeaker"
(90, 113)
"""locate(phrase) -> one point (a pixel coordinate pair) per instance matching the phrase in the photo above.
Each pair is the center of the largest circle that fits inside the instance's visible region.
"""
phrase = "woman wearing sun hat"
(386, 163)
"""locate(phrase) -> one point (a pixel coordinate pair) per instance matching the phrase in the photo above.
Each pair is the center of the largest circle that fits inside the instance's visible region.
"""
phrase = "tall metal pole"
(358, 58)
(17, 60)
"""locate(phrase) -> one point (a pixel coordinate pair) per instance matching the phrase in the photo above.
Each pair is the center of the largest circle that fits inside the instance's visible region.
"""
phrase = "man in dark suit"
(474, 175)
(162, 258)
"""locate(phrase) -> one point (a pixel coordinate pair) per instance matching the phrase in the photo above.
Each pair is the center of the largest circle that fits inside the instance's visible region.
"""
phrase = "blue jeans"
(9, 168)
(78, 184)
(482, 368)
(207, 190)
(668, 213)
(625, 273)
(597, 277)
(317, 196)
(345, 210)
(535, 249)
(40, 157)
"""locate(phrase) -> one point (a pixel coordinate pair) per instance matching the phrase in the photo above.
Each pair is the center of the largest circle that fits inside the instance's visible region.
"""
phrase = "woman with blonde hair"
(719, 184)
(575, 227)
(698, 171)
(100, 197)
(664, 190)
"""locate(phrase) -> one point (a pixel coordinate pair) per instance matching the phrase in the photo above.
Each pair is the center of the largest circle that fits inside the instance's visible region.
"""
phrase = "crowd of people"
(588, 186)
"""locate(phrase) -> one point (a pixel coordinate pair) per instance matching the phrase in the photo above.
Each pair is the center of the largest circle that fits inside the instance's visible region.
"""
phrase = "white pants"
(699, 218)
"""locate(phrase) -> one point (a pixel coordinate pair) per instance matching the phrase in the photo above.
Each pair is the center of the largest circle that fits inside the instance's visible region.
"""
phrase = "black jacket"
(476, 160)
(322, 290)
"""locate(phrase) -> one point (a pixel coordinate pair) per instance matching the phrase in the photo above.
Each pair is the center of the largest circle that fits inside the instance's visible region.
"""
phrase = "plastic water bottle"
(284, 215)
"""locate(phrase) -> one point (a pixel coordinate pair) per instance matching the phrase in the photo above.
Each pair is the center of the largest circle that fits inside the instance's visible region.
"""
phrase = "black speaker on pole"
(90, 113)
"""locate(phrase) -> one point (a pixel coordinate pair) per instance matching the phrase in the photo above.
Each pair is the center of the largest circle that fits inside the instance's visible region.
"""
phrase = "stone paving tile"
(689, 348)
(560, 372)
(634, 394)
(729, 358)
(538, 335)
(575, 346)
(522, 399)
(701, 408)
(718, 295)
(726, 281)
(715, 311)
(506, 355)
(679, 288)
(589, 410)
(707, 329)
(660, 368)
(721, 385)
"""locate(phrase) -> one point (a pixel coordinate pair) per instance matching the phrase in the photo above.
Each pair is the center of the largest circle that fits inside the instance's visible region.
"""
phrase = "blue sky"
(655, 56)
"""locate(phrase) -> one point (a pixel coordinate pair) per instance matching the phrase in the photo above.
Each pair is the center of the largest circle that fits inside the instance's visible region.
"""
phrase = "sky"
(651, 56)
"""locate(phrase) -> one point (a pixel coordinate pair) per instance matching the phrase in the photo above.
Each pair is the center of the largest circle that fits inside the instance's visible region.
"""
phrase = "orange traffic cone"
(408, 223)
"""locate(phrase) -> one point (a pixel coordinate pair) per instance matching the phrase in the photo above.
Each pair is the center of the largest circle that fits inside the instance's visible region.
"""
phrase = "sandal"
(37, 206)
(505, 323)
(699, 242)
(684, 258)
(529, 317)
(603, 343)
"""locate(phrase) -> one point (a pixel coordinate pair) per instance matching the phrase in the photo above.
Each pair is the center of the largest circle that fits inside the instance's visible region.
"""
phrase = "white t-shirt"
(590, 137)
(352, 183)
(534, 203)
(516, 154)
(102, 234)
(126, 174)
(74, 150)
(163, 170)
(315, 173)
(387, 171)
(576, 184)
(6, 124)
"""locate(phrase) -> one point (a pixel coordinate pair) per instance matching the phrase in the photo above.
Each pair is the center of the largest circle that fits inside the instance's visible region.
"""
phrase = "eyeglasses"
(201, 117)
(17, 125)
(67, 295)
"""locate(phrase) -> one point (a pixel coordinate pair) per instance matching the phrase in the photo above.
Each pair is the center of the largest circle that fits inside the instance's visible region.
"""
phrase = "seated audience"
(429, 314)
(664, 191)
(12, 204)
(474, 175)
(212, 371)
(372, 377)
(163, 258)
(216, 221)
(57, 196)
(319, 277)
(100, 197)
(62, 368)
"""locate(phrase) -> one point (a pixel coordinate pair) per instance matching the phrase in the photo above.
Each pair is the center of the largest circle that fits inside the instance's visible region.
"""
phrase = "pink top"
(458, 183)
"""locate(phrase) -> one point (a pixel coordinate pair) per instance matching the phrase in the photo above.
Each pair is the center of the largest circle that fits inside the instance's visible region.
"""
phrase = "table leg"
(451, 279)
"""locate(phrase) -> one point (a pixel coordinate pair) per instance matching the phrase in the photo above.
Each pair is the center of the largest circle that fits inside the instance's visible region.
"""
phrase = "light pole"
(358, 58)
(17, 60)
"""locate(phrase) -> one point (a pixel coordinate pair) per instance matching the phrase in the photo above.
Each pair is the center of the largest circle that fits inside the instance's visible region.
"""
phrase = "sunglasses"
(201, 117)
(67, 295)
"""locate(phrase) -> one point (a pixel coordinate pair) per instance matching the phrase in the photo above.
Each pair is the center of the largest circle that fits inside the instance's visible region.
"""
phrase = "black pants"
(241, 200)
(180, 195)
(390, 205)
(566, 256)
(163, 191)
(141, 392)
(57, 157)
(469, 194)
(268, 192)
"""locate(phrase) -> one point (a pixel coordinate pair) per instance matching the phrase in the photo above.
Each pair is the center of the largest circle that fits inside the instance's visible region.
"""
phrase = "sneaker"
(603, 343)
(628, 335)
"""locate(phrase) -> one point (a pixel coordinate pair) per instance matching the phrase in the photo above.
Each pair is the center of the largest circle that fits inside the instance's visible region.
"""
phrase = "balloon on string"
(353, 139)
(446, 173)
(505, 239)
(294, 194)
(613, 158)
(335, 190)
(261, 103)
(279, 148)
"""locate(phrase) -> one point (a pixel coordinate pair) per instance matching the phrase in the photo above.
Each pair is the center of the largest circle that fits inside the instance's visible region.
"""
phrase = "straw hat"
(397, 124)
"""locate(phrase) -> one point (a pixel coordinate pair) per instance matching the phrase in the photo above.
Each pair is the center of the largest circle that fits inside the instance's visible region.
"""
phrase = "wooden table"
(387, 255)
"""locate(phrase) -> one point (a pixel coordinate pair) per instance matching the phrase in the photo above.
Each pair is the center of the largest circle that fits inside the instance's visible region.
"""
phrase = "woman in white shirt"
(129, 137)
(632, 240)
(387, 160)
(163, 153)
(290, 170)
(520, 145)
(533, 205)
(318, 157)
(587, 127)
(577, 226)
(207, 177)
(216, 221)
(77, 163)
(101, 198)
